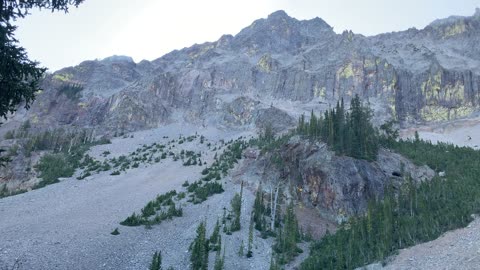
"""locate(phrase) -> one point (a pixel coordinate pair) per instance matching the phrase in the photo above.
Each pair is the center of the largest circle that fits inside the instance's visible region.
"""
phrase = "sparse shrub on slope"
(52, 167)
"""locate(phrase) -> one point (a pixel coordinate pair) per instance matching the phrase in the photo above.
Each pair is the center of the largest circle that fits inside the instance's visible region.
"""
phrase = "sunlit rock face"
(431, 74)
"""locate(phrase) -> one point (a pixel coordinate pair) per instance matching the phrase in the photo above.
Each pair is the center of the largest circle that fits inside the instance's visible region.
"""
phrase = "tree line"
(416, 213)
(347, 132)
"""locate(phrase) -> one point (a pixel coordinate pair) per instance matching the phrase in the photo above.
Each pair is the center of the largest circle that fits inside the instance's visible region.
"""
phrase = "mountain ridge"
(413, 76)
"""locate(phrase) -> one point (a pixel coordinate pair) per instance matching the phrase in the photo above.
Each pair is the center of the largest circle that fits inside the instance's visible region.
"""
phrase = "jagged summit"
(281, 33)
(454, 19)
(279, 14)
(118, 58)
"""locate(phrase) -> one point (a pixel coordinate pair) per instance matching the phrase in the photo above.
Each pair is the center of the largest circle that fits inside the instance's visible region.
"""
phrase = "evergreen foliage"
(156, 263)
(417, 213)
(215, 238)
(70, 90)
(199, 249)
(161, 208)
(200, 192)
(346, 132)
(288, 237)
(115, 232)
(259, 210)
(250, 240)
(53, 166)
(274, 265)
(236, 204)
(20, 76)
(219, 260)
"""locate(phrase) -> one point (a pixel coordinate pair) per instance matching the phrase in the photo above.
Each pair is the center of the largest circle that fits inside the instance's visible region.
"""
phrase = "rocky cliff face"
(337, 186)
(431, 74)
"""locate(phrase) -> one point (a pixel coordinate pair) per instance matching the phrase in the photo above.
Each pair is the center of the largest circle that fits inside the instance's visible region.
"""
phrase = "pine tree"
(236, 204)
(349, 133)
(156, 263)
(259, 210)
(215, 237)
(312, 130)
(250, 240)
(199, 248)
(273, 263)
(219, 260)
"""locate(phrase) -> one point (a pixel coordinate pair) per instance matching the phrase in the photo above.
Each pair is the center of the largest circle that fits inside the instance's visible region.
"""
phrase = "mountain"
(91, 149)
(414, 76)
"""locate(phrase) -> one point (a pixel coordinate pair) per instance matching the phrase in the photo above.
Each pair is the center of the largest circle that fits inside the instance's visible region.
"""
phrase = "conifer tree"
(349, 133)
(215, 237)
(156, 261)
(219, 260)
(250, 240)
(236, 204)
(199, 249)
(259, 210)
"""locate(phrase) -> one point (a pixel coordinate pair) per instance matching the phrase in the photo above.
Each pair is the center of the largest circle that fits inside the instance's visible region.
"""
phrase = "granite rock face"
(337, 186)
(431, 74)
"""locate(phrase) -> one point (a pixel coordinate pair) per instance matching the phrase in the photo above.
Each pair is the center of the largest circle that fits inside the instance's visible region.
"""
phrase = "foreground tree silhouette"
(20, 76)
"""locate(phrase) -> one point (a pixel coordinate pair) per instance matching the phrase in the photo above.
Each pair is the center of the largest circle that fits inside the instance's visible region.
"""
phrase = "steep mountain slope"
(269, 73)
(431, 74)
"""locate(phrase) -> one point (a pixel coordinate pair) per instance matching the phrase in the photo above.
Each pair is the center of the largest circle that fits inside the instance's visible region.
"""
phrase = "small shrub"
(52, 167)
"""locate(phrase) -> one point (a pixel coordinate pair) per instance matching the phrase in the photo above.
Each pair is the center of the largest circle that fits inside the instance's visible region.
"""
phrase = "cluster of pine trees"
(161, 208)
(347, 132)
(201, 246)
(236, 204)
(417, 213)
(288, 236)
(284, 228)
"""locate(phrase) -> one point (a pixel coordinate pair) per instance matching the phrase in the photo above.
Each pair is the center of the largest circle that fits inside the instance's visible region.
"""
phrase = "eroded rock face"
(431, 74)
(338, 186)
(245, 111)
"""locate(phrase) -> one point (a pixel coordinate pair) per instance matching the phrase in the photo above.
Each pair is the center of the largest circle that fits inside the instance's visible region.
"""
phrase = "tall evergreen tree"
(199, 249)
(219, 260)
(236, 204)
(156, 263)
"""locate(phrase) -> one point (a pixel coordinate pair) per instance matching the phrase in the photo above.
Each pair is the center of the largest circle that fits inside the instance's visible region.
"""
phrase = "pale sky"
(148, 29)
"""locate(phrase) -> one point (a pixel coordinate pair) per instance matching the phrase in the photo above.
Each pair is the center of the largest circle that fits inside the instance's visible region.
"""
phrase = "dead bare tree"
(273, 203)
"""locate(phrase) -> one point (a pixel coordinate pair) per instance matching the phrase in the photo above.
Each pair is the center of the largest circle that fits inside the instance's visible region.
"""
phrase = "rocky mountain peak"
(281, 33)
(279, 14)
(477, 12)
(118, 58)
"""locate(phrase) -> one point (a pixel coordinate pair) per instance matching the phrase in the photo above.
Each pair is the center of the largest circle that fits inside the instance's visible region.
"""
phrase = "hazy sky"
(147, 29)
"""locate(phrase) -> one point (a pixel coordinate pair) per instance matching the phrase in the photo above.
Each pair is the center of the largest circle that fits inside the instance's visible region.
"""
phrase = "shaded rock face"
(431, 74)
(245, 111)
(338, 186)
(20, 173)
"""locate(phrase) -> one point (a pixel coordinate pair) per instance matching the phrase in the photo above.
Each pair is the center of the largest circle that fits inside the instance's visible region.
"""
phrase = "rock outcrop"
(338, 186)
